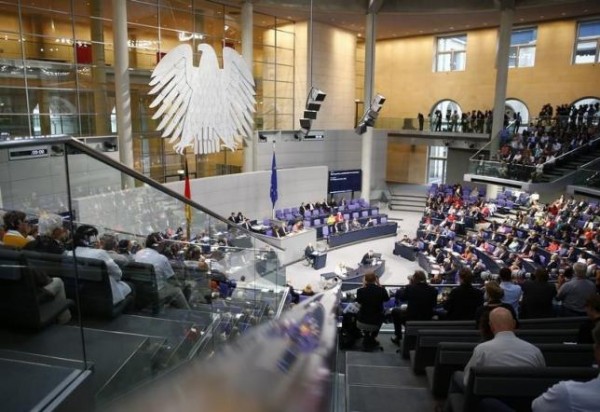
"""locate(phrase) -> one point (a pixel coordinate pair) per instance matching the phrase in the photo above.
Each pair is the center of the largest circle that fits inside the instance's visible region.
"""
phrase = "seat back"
(143, 277)
(18, 297)
(517, 386)
(454, 356)
(88, 278)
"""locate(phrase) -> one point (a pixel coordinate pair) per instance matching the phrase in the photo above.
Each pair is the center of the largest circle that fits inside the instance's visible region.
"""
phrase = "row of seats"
(440, 348)
(86, 280)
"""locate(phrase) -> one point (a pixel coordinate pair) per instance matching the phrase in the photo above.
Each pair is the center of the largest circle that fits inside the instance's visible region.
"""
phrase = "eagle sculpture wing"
(172, 82)
(204, 106)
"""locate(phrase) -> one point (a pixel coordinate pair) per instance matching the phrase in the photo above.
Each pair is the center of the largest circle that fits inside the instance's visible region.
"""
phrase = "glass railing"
(427, 125)
(588, 177)
(223, 280)
(481, 164)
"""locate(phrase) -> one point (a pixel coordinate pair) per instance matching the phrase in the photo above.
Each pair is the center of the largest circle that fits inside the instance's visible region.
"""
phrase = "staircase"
(565, 168)
(408, 198)
(383, 381)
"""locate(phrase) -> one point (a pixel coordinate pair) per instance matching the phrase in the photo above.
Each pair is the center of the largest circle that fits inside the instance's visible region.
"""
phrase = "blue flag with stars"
(273, 180)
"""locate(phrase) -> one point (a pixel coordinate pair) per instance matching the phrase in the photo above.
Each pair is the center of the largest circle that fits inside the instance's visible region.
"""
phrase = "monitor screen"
(345, 181)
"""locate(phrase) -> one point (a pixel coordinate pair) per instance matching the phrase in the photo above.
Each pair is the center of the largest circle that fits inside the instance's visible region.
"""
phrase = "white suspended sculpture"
(203, 107)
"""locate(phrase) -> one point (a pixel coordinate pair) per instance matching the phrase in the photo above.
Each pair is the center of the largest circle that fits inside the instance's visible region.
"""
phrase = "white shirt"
(161, 264)
(568, 396)
(119, 289)
(504, 350)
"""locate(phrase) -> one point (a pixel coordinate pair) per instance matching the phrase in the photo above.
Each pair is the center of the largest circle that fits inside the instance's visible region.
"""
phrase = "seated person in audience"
(512, 291)
(572, 396)
(420, 299)
(538, 296)
(51, 234)
(84, 240)
(575, 293)
(109, 243)
(168, 289)
(331, 223)
(368, 258)
(302, 209)
(307, 291)
(125, 248)
(232, 218)
(309, 254)
(464, 299)
(592, 307)
(239, 218)
(355, 225)
(505, 349)
(340, 222)
(554, 262)
(298, 226)
(370, 222)
(494, 294)
(16, 229)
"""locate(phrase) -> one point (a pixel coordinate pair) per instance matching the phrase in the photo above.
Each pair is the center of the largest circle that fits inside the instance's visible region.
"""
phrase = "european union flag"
(273, 181)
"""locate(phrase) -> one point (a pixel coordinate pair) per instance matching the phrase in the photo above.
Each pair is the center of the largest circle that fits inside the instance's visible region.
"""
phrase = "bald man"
(505, 349)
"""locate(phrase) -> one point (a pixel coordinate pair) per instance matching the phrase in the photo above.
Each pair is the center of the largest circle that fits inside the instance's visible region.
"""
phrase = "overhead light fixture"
(262, 138)
(371, 114)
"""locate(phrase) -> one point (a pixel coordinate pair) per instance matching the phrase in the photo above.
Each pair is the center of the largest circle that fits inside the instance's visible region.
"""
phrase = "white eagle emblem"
(205, 105)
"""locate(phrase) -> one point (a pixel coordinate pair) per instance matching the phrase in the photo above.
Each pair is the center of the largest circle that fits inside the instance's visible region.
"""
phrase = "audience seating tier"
(428, 341)
(414, 326)
(21, 304)
(143, 278)
(516, 386)
(454, 356)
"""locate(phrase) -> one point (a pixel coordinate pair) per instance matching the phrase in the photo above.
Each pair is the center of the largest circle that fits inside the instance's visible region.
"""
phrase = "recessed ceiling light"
(563, 14)
(485, 23)
(451, 28)
(467, 26)
(521, 19)
(421, 31)
(541, 17)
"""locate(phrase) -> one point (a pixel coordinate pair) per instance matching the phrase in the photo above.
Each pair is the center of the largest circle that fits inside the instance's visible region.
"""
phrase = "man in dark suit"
(464, 300)
(420, 298)
(371, 298)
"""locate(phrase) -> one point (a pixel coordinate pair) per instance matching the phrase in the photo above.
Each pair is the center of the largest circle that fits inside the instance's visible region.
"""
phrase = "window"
(587, 43)
(451, 53)
(522, 48)
(437, 164)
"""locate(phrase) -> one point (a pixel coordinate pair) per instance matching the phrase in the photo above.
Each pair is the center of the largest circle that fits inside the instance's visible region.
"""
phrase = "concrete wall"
(339, 150)
(457, 164)
(333, 71)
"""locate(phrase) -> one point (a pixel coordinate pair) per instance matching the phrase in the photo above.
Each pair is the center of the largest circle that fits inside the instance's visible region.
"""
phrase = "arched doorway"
(515, 107)
(446, 109)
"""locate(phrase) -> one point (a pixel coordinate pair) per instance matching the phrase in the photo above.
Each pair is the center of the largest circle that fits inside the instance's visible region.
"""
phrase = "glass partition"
(155, 279)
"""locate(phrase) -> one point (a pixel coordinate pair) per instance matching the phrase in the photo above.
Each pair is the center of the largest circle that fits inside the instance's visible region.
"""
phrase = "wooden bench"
(428, 340)
(516, 386)
(21, 304)
(453, 356)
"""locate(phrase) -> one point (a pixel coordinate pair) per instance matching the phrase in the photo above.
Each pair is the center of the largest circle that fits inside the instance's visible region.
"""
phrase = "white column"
(367, 138)
(507, 15)
(122, 88)
(250, 151)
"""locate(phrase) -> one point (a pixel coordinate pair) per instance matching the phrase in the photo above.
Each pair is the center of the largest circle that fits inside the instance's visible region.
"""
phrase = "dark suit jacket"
(462, 302)
(420, 298)
(537, 299)
(371, 299)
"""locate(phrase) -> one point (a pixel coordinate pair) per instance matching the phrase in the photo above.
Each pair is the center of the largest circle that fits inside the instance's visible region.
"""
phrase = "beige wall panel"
(406, 163)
